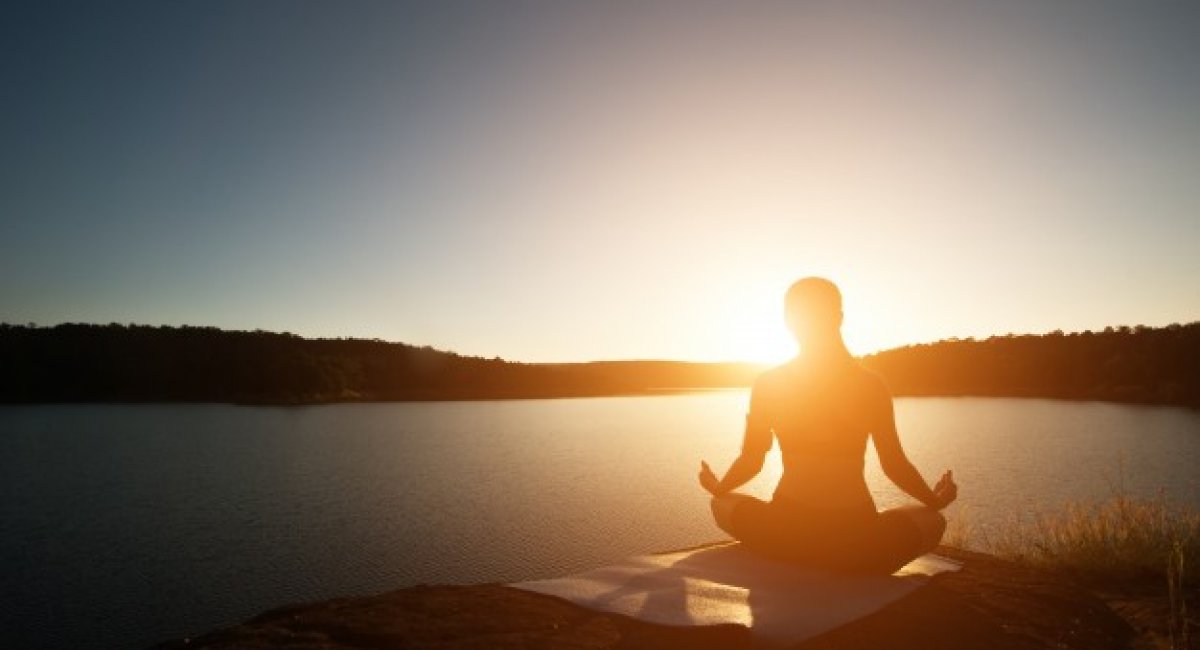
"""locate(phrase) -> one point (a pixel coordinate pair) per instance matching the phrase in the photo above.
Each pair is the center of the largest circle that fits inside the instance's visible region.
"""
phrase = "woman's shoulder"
(788, 377)
(871, 382)
(784, 374)
(774, 384)
(867, 375)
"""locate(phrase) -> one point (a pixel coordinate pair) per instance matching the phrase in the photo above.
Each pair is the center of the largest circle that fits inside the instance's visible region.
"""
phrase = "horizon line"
(764, 364)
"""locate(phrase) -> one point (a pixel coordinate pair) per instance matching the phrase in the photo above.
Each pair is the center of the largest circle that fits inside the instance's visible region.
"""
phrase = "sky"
(570, 181)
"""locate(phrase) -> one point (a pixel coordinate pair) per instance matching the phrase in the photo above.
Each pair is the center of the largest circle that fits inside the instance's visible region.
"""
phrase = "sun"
(760, 337)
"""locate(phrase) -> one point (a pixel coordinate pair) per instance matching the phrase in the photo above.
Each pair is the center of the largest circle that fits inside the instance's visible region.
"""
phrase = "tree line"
(1145, 365)
(141, 363)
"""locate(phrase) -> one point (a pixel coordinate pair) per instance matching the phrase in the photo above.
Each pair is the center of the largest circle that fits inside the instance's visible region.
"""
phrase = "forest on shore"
(1141, 365)
(143, 363)
(140, 363)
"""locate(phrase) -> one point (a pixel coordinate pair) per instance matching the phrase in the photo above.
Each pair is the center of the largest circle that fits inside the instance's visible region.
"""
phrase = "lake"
(124, 525)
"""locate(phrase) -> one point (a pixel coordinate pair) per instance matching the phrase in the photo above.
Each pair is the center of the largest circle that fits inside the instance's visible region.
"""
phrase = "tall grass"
(1178, 623)
(1119, 539)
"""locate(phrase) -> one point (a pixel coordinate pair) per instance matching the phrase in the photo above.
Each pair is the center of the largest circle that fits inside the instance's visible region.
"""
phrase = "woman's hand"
(946, 490)
(708, 480)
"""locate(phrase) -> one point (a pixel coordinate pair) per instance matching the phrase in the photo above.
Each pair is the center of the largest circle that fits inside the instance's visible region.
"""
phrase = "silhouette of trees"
(143, 363)
(1123, 364)
(139, 363)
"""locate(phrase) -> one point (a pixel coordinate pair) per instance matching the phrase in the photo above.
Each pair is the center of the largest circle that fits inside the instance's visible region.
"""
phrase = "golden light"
(759, 336)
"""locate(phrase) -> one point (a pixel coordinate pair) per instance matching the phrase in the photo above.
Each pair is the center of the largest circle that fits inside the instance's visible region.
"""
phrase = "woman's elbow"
(754, 459)
(895, 468)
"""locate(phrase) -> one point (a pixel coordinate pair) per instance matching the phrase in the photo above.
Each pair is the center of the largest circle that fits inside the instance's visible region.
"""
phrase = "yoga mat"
(780, 603)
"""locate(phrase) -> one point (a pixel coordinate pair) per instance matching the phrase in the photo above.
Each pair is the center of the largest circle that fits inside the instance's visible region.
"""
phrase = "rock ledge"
(989, 604)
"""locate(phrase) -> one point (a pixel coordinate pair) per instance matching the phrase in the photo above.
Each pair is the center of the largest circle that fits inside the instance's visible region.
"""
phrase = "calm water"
(124, 525)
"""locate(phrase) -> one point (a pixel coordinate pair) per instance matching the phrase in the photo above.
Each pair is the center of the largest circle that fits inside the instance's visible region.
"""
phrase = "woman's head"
(813, 310)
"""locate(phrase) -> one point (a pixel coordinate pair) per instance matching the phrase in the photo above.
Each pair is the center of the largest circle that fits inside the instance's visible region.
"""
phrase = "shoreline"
(650, 392)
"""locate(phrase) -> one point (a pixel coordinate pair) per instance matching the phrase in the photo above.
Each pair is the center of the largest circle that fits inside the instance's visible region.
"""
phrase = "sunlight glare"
(759, 336)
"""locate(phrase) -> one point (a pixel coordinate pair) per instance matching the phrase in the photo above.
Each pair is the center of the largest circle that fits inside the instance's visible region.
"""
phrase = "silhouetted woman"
(822, 406)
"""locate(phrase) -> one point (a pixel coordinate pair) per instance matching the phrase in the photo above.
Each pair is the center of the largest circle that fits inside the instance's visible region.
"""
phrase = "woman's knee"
(723, 507)
(933, 526)
(930, 524)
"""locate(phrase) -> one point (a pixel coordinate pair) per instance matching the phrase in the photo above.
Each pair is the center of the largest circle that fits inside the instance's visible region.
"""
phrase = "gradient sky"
(563, 181)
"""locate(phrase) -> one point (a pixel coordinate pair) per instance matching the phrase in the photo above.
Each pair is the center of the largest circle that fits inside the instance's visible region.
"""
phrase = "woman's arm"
(744, 468)
(756, 442)
(900, 470)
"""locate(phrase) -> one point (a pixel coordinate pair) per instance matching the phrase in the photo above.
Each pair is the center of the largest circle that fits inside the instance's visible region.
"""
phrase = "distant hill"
(139, 363)
(1150, 365)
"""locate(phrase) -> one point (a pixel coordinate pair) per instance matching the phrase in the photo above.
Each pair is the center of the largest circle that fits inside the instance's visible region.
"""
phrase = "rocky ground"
(989, 604)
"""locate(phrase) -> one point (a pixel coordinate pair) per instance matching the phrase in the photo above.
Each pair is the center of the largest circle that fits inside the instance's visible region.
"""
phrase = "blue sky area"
(552, 181)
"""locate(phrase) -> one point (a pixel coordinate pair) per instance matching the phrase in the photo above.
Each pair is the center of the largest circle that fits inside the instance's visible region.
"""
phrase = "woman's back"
(822, 415)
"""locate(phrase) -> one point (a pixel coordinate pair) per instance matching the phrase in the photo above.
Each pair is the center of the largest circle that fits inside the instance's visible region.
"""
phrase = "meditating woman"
(822, 406)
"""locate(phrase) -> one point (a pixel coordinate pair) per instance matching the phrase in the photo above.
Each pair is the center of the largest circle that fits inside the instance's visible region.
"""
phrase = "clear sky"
(560, 181)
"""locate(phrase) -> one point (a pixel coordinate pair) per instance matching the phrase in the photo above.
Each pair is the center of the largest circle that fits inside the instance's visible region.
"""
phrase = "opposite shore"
(139, 363)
